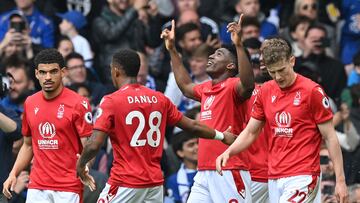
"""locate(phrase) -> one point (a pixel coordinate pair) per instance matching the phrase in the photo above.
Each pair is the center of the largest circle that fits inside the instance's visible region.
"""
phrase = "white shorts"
(232, 187)
(51, 196)
(116, 194)
(259, 192)
(296, 189)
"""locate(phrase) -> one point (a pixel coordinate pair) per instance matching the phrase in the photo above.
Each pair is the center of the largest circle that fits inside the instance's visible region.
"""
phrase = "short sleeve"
(257, 110)
(104, 116)
(173, 114)
(25, 128)
(320, 105)
(198, 90)
(83, 118)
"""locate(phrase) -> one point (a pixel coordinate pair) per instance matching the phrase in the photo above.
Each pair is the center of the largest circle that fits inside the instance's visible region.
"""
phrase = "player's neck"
(53, 94)
(219, 79)
(127, 81)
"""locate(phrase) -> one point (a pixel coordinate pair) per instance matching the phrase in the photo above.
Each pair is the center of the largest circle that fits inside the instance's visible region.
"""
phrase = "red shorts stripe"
(240, 186)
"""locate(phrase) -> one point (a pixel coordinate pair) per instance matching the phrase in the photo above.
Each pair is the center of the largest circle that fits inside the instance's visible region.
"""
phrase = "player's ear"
(230, 66)
(63, 72)
(37, 73)
(180, 153)
(292, 60)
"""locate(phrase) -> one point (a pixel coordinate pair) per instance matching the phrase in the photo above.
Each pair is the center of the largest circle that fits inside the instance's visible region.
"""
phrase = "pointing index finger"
(240, 19)
(173, 25)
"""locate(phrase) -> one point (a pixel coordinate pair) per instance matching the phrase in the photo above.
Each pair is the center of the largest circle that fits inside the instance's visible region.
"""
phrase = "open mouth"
(209, 63)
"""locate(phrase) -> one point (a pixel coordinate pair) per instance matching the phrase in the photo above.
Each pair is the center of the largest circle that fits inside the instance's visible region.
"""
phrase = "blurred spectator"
(331, 71)
(310, 9)
(65, 46)
(41, 28)
(191, 16)
(295, 33)
(185, 5)
(72, 22)
(78, 73)
(251, 8)
(143, 76)
(117, 27)
(327, 185)
(198, 62)
(354, 77)
(17, 39)
(350, 35)
(347, 134)
(253, 45)
(250, 28)
(21, 186)
(354, 193)
(10, 131)
(189, 38)
(178, 185)
(21, 85)
(352, 157)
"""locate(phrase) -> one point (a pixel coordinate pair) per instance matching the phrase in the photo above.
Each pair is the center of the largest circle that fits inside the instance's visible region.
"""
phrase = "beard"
(20, 99)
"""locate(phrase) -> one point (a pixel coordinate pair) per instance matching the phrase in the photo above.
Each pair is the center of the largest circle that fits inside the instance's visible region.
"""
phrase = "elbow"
(248, 91)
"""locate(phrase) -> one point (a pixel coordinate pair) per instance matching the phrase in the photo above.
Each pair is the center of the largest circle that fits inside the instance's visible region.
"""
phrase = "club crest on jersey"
(283, 121)
(60, 113)
(208, 102)
(297, 99)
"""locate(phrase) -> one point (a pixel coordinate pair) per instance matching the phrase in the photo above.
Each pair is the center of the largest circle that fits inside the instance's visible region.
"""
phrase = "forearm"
(88, 153)
(6, 124)
(242, 142)
(246, 73)
(336, 156)
(182, 76)
(23, 159)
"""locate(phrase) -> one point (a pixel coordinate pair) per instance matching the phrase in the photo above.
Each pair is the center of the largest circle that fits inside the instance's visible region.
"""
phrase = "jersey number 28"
(135, 141)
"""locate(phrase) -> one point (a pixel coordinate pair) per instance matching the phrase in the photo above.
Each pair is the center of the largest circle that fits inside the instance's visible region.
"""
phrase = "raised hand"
(229, 138)
(235, 29)
(169, 37)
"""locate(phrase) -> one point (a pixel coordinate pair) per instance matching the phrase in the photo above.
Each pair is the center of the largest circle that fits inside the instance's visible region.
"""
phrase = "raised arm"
(22, 161)
(246, 74)
(182, 76)
(328, 132)
(243, 141)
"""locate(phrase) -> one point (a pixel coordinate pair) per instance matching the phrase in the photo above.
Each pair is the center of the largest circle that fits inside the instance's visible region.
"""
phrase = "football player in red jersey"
(298, 112)
(135, 118)
(56, 121)
(222, 100)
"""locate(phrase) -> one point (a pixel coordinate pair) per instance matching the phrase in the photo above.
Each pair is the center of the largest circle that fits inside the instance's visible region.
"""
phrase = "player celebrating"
(55, 122)
(298, 112)
(135, 118)
(221, 106)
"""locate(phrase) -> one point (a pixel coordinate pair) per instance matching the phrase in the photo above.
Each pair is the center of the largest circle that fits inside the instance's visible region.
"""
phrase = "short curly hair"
(129, 61)
(48, 56)
(275, 50)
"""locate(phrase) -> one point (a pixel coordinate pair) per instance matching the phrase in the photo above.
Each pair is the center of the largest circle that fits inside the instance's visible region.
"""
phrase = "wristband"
(218, 135)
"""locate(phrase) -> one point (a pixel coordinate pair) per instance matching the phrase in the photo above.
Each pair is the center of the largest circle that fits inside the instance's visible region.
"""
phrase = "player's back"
(139, 117)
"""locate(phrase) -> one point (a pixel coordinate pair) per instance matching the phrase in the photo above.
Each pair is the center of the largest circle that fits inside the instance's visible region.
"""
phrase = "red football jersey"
(135, 118)
(293, 114)
(258, 151)
(55, 127)
(220, 108)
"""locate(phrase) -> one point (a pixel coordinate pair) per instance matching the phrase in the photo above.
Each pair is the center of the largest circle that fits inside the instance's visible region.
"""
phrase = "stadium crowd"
(324, 36)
